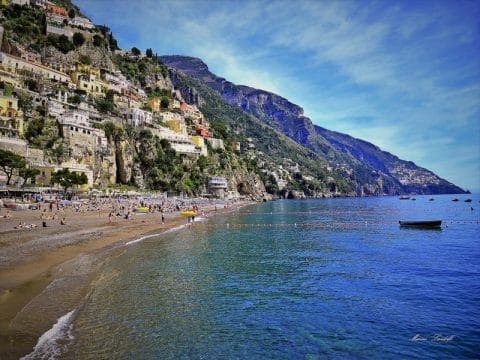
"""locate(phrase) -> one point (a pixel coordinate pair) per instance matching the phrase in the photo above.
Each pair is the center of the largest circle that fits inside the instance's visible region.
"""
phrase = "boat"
(404, 197)
(188, 213)
(141, 209)
(468, 200)
(431, 199)
(421, 223)
(455, 199)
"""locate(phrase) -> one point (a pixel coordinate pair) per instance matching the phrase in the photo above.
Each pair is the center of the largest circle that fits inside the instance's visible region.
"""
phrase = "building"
(56, 10)
(20, 2)
(15, 64)
(31, 56)
(40, 3)
(216, 143)
(139, 117)
(46, 171)
(154, 104)
(180, 142)
(100, 141)
(59, 29)
(200, 143)
(82, 22)
(217, 186)
(11, 119)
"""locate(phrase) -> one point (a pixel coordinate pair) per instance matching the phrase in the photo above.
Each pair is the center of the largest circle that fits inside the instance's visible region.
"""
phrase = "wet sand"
(46, 272)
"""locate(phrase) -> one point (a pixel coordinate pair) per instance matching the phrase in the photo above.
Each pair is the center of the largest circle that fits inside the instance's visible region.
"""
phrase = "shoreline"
(47, 272)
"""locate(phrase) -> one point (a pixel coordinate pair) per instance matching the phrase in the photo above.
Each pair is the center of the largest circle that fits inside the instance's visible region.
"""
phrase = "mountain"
(372, 171)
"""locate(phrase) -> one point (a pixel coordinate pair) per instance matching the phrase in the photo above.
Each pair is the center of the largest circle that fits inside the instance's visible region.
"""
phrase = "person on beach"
(63, 221)
(163, 219)
(110, 217)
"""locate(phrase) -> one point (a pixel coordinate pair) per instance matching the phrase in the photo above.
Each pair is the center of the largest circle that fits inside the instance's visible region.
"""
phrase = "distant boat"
(421, 223)
(455, 199)
(468, 200)
(404, 197)
(431, 199)
(414, 199)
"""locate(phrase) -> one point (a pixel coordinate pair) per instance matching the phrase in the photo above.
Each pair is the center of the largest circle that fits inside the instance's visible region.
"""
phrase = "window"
(71, 128)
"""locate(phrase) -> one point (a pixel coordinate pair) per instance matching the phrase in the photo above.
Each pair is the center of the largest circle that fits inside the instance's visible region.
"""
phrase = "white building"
(139, 117)
(82, 22)
(180, 142)
(75, 117)
(20, 2)
(14, 64)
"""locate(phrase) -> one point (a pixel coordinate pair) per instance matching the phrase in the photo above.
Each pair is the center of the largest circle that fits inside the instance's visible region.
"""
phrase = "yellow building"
(154, 104)
(91, 84)
(11, 119)
(199, 141)
(88, 79)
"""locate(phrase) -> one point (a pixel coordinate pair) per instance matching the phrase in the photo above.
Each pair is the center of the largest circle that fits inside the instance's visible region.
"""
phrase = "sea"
(289, 279)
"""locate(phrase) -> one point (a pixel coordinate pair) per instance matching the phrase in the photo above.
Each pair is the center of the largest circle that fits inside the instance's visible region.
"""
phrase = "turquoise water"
(310, 279)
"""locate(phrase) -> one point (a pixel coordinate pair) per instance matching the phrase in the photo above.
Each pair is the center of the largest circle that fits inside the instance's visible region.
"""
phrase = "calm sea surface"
(306, 279)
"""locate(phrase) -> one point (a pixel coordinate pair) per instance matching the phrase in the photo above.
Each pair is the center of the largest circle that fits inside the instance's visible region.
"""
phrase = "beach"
(47, 271)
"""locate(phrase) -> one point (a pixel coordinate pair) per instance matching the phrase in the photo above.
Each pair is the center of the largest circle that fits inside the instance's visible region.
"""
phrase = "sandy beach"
(47, 271)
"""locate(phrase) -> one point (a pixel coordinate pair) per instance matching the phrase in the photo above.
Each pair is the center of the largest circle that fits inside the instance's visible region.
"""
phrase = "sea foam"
(52, 343)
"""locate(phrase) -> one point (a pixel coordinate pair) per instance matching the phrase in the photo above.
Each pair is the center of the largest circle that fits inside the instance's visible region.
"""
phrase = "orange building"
(57, 10)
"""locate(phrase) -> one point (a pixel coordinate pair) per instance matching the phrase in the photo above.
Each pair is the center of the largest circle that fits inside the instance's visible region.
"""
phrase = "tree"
(78, 39)
(25, 102)
(27, 173)
(97, 40)
(85, 60)
(71, 13)
(9, 162)
(66, 179)
(164, 102)
(63, 44)
(136, 51)
(149, 53)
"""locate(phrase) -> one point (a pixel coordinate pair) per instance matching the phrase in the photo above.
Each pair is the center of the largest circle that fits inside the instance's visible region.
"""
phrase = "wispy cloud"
(412, 69)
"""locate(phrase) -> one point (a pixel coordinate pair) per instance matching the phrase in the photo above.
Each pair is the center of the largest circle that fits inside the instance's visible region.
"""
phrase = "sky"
(403, 75)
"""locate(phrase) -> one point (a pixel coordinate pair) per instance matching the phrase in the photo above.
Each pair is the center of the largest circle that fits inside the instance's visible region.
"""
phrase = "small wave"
(176, 228)
(141, 239)
(52, 343)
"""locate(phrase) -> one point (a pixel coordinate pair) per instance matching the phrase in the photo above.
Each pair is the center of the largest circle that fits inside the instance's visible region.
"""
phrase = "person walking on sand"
(163, 219)
(110, 217)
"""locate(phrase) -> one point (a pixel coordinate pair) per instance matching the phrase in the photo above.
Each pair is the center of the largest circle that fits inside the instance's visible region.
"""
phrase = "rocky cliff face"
(373, 171)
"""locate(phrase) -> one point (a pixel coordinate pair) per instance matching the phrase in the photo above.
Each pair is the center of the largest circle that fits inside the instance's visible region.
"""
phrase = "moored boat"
(421, 223)
(468, 200)
(404, 197)
(188, 213)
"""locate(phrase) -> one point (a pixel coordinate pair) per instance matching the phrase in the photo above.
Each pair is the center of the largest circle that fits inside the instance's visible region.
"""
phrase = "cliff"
(372, 171)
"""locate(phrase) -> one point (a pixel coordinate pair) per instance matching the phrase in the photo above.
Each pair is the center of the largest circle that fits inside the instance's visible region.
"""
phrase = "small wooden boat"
(142, 209)
(431, 199)
(468, 200)
(404, 197)
(455, 199)
(421, 223)
(188, 213)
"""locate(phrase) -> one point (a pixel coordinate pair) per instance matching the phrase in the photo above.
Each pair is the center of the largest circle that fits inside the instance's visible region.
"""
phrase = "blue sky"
(403, 75)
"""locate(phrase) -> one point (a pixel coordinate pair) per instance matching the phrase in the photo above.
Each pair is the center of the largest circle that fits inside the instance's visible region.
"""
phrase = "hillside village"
(62, 112)
(73, 103)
